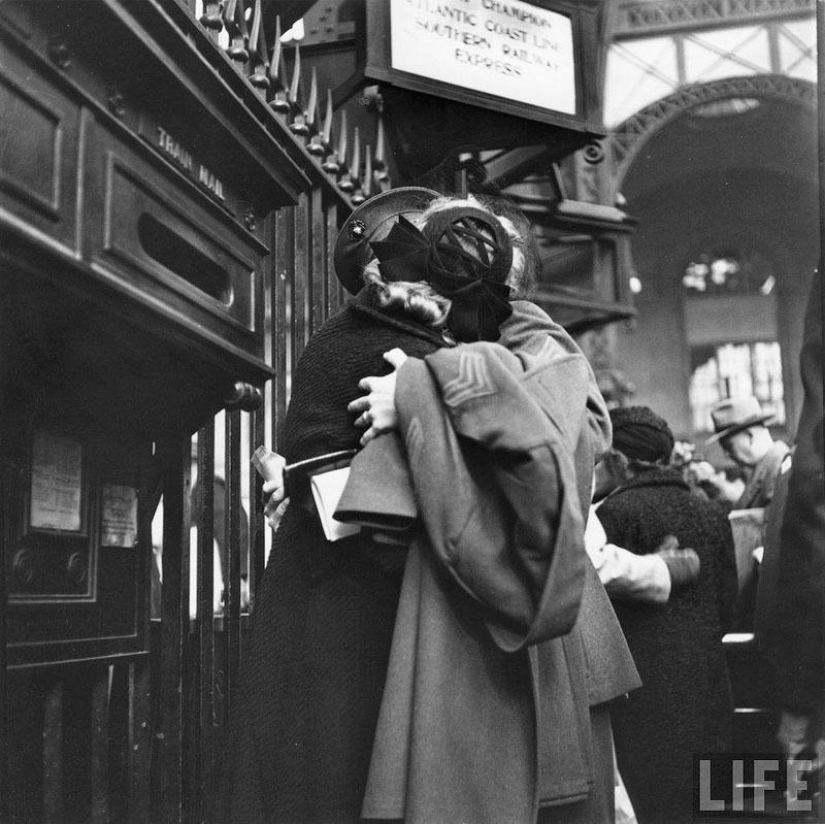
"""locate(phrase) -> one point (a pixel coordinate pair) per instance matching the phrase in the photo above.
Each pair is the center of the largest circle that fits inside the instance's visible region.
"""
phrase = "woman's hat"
(372, 221)
(641, 434)
(732, 415)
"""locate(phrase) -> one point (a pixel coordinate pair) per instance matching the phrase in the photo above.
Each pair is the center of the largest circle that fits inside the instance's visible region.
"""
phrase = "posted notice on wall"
(513, 49)
(118, 521)
(56, 491)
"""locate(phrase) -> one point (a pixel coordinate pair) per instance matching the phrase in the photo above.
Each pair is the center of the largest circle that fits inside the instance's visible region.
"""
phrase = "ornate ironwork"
(257, 43)
(305, 122)
(626, 139)
(358, 176)
(593, 152)
(234, 19)
(642, 19)
(211, 18)
(330, 164)
(351, 179)
(279, 101)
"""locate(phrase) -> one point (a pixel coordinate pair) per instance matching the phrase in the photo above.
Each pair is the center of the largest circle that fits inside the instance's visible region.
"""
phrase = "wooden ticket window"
(137, 220)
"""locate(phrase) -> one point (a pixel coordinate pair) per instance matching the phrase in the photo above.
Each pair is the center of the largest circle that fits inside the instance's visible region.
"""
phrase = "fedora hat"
(732, 415)
(372, 221)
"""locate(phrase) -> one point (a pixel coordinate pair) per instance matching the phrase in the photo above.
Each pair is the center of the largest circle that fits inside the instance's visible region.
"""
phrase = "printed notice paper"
(118, 522)
(514, 50)
(56, 482)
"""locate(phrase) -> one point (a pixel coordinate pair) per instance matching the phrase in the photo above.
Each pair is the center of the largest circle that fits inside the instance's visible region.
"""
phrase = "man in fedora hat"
(741, 430)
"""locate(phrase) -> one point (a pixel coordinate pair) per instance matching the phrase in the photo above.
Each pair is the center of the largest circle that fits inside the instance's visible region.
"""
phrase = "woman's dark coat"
(313, 669)
(684, 704)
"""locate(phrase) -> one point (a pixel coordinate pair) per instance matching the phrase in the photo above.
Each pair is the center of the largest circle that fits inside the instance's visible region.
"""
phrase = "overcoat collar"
(666, 476)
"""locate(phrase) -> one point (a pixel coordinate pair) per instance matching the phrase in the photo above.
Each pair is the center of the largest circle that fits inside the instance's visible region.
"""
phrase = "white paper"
(327, 488)
(118, 523)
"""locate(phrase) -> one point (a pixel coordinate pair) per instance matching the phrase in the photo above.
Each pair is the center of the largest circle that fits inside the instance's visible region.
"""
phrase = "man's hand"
(376, 410)
(683, 565)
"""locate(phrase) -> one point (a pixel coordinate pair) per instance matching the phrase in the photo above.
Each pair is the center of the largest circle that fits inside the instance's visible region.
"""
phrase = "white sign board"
(513, 49)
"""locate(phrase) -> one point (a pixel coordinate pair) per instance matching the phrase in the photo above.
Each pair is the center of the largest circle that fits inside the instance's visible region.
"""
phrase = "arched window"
(731, 323)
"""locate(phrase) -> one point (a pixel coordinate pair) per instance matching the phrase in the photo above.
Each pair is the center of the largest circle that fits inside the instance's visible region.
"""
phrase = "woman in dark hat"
(684, 705)
(426, 273)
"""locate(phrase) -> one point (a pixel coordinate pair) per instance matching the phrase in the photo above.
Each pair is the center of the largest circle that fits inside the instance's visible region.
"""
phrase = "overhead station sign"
(514, 50)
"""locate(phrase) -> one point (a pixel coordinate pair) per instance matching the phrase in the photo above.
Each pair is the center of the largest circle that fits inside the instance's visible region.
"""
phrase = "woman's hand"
(376, 410)
(274, 492)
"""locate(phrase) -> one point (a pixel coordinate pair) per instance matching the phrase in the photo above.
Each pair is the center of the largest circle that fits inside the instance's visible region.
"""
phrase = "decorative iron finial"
(349, 179)
(211, 18)
(295, 86)
(332, 163)
(257, 43)
(279, 101)
(306, 120)
(382, 175)
(299, 122)
(235, 21)
(342, 142)
(319, 142)
(312, 106)
(367, 180)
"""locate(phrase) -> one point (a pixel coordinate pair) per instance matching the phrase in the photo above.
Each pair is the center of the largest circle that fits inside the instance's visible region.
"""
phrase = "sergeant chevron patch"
(414, 440)
(473, 380)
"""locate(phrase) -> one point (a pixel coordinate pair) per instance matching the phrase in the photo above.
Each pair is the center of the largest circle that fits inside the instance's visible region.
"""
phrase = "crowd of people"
(527, 625)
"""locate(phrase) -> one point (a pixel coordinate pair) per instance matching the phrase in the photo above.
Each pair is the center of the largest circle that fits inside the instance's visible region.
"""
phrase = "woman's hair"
(419, 300)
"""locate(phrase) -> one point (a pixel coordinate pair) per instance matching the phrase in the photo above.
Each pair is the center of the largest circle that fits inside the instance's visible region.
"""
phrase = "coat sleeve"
(495, 483)
(534, 336)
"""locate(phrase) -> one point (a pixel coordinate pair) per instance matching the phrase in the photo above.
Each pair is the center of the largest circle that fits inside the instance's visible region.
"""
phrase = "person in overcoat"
(491, 589)
(315, 667)
(791, 607)
(684, 706)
